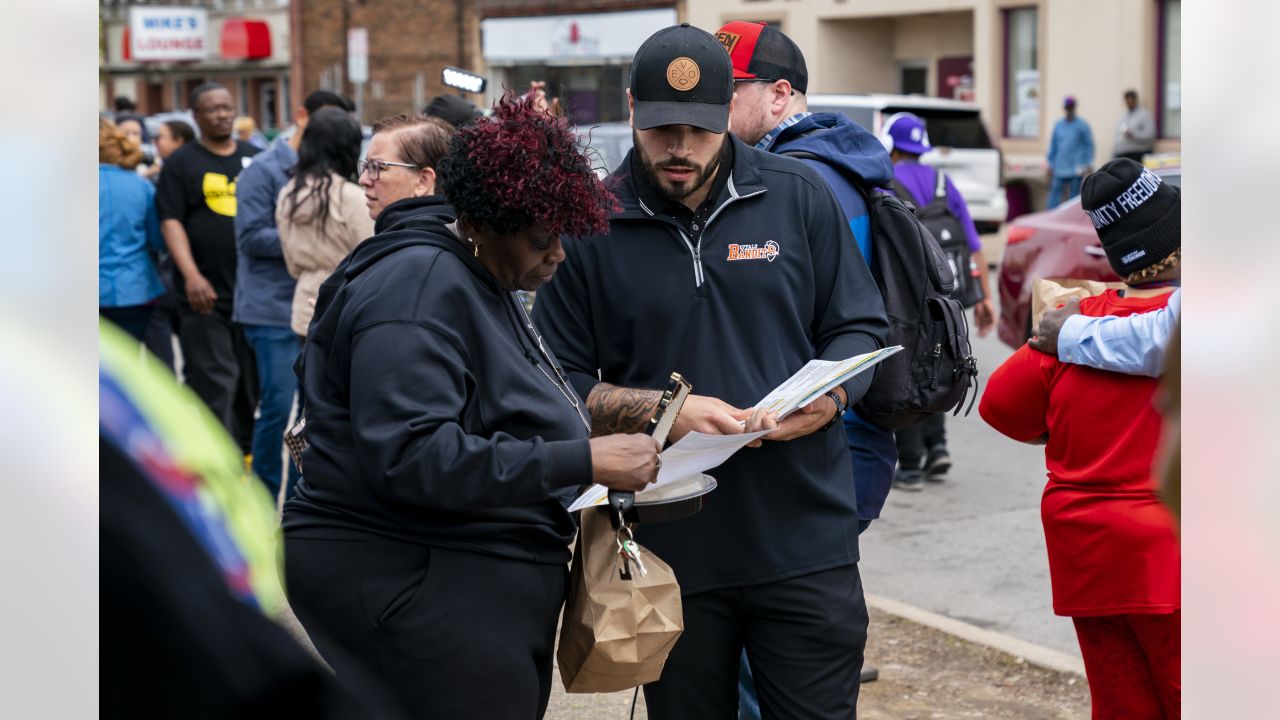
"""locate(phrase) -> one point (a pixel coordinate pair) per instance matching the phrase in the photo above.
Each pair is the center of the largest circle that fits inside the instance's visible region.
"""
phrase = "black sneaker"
(937, 465)
(909, 480)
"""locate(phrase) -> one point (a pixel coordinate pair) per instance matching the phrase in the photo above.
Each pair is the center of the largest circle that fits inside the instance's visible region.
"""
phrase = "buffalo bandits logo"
(769, 251)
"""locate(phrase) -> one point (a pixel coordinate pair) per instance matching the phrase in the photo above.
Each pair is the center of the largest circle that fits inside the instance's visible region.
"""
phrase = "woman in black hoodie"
(428, 538)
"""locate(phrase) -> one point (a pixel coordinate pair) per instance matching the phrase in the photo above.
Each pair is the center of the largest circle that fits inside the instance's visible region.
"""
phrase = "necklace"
(563, 384)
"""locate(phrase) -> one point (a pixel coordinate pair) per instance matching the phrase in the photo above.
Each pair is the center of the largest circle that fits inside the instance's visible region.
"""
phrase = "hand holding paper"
(694, 454)
(816, 378)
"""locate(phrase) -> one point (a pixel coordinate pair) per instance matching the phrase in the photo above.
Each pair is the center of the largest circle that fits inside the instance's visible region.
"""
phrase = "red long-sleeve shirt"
(1112, 549)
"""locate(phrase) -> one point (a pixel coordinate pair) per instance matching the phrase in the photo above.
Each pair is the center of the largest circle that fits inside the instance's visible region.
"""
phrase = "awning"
(244, 39)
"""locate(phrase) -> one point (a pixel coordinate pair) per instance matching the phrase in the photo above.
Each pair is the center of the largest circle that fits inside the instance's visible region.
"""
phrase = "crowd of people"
(377, 293)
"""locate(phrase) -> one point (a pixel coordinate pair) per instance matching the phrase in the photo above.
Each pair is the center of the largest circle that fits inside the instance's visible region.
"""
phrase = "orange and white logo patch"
(683, 74)
(768, 252)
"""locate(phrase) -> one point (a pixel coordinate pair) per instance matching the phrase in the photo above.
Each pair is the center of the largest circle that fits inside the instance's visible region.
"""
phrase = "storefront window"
(1022, 73)
(1170, 68)
(589, 93)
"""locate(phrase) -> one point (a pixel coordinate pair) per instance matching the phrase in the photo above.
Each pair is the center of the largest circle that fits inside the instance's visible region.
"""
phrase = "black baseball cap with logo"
(682, 75)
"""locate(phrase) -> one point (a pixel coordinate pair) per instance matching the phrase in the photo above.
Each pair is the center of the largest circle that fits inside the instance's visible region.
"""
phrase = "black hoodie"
(428, 416)
(774, 281)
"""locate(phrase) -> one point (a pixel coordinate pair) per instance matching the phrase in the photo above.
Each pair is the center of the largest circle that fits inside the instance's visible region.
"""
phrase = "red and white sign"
(168, 34)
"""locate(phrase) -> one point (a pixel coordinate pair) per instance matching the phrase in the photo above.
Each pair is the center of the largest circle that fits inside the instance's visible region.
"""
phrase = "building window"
(1021, 73)
(1169, 91)
(913, 78)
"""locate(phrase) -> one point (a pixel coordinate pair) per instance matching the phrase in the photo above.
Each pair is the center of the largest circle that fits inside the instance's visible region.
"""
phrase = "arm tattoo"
(620, 410)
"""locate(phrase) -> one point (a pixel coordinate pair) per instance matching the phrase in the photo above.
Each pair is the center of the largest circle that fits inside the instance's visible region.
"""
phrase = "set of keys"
(628, 553)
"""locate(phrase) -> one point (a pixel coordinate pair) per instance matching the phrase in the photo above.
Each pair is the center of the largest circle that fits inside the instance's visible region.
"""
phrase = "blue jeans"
(873, 455)
(276, 349)
(1070, 183)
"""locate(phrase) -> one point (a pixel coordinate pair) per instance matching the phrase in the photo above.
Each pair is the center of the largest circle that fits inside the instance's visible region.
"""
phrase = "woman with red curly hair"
(428, 538)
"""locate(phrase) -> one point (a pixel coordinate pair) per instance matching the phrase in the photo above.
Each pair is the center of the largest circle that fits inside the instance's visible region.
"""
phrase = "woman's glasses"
(375, 167)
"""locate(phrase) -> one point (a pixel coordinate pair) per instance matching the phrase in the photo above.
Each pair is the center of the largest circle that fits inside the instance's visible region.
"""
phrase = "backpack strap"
(940, 191)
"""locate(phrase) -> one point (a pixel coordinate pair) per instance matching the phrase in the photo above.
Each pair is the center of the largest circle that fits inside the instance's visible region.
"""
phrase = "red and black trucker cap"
(681, 76)
(762, 52)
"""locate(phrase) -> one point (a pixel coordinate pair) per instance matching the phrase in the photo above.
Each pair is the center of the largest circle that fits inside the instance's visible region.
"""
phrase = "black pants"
(132, 319)
(218, 365)
(161, 328)
(804, 639)
(917, 441)
(451, 634)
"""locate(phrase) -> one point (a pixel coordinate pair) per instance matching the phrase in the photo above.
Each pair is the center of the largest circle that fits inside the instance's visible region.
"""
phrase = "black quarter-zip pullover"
(774, 281)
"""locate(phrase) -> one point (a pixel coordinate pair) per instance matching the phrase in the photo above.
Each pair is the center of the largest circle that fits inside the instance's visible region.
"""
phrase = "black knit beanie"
(1137, 215)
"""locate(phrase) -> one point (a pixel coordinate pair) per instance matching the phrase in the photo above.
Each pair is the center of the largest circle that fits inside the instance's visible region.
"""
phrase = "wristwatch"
(835, 398)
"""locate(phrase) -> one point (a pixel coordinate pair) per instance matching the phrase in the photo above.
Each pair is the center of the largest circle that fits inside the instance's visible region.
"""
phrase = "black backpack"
(949, 232)
(936, 368)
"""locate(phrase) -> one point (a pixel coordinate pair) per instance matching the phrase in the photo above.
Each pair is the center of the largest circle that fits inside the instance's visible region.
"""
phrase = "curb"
(1032, 653)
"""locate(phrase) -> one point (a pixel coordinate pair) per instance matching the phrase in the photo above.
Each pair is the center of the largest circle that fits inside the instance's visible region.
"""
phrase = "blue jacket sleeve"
(256, 234)
(1087, 151)
(1133, 345)
(848, 316)
(409, 437)
(155, 240)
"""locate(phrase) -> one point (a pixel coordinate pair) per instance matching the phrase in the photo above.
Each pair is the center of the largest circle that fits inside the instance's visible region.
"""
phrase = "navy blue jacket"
(428, 418)
(774, 282)
(264, 287)
(846, 148)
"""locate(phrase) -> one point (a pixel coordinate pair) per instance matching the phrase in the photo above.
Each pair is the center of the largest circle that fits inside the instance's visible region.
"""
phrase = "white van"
(962, 146)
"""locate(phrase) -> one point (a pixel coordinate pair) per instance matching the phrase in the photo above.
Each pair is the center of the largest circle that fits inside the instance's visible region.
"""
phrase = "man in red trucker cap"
(771, 112)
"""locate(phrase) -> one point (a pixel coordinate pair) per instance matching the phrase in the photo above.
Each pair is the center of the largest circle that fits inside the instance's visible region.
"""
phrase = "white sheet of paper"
(818, 377)
(694, 454)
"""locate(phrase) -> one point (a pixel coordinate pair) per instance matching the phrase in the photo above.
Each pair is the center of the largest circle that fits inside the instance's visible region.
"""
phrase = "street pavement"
(972, 548)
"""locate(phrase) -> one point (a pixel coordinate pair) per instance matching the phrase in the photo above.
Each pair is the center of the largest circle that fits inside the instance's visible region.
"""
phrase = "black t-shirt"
(198, 188)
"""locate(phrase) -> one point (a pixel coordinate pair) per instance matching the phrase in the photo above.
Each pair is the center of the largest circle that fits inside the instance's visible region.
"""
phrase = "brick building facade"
(409, 41)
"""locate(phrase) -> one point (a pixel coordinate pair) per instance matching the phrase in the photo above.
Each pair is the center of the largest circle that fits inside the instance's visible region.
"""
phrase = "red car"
(1057, 243)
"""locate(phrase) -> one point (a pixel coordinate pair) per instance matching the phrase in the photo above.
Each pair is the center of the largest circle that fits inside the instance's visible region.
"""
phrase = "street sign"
(463, 80)
(358, 55)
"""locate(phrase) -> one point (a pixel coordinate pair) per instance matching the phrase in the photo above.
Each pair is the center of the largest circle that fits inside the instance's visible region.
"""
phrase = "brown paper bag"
(1050, 293)
(615, 634)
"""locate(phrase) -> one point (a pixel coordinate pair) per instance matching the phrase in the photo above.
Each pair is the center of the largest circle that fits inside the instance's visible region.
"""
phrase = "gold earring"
(475, 248)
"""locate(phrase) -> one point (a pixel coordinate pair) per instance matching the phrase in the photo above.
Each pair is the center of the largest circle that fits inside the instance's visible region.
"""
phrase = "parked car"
(962, 145)
(1057, 243)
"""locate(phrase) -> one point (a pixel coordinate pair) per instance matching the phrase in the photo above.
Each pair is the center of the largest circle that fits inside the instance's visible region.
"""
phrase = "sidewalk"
(924, 674)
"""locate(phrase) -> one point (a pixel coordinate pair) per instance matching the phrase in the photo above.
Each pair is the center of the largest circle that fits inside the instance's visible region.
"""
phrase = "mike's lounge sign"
(168, 34)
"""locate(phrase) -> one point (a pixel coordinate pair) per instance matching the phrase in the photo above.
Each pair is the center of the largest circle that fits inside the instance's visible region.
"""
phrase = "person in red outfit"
(1114, 559)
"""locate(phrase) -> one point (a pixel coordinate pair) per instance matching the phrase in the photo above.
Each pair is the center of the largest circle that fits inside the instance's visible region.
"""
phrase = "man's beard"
(677, 191)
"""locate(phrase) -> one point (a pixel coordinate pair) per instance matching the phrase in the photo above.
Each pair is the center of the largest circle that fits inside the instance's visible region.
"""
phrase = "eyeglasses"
(374, 167)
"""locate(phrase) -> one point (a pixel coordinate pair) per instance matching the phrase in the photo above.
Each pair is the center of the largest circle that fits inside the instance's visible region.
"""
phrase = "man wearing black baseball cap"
(733, 267)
